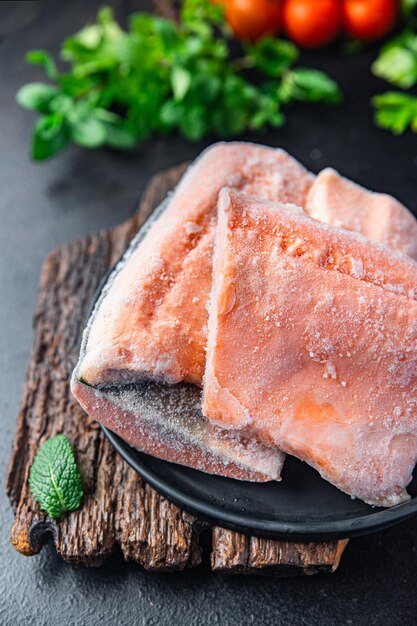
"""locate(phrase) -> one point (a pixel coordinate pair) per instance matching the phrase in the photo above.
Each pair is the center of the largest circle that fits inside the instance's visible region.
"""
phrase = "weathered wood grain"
(240, 554)
(119, 509)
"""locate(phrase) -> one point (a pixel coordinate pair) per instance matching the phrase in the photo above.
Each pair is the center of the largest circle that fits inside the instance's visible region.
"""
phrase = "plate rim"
(247, 524)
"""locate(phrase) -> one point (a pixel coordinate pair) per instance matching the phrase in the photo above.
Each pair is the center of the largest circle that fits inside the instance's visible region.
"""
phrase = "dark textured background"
(44, 206)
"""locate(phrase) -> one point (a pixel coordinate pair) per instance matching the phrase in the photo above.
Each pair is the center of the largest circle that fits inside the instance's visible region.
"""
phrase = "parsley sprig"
(397, 63)
(160, 76)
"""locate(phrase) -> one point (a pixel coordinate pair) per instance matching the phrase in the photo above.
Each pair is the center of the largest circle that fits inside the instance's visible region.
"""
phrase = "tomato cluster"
(311, 23)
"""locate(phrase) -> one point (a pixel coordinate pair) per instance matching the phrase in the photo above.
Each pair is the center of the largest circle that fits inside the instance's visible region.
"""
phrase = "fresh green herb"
(397, 61)
(309, 86)
(396, 111)
(161, 76)
(54, 477)
(397, 64)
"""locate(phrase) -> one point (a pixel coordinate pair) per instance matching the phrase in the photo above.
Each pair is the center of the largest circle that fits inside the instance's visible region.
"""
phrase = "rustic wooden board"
(118, 509)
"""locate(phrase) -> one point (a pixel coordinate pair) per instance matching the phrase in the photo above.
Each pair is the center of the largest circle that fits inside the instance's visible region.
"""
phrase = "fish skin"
(316, 350)
(176, 431)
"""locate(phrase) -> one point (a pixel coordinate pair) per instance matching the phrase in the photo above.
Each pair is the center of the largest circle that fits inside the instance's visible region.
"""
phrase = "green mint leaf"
(43, 58)
(50, 136)
(54, 477)
(180, 82)
(313, 86)
(36, 96)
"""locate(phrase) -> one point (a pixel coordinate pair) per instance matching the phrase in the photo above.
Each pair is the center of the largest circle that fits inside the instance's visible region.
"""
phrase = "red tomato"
(312, 23)
(369, 19)
(250, 19)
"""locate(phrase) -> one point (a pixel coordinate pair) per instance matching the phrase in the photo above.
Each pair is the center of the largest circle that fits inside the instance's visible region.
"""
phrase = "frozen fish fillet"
(152, 322)
(167, 423)
(312, 346)
(336, 200)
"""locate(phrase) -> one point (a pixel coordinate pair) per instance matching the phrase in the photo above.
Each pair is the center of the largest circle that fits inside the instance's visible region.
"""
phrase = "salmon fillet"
(336, 200)
(312, 346)
(167, 423)
(152, 323)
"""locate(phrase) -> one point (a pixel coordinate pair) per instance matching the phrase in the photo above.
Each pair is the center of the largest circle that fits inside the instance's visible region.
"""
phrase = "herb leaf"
(397, 61)
(36, 96)
(396, 111)
(314, 86)
(180, 81)
(40, 57)
(54, 477)
(273, 56)
(50, 136)
(160, 76)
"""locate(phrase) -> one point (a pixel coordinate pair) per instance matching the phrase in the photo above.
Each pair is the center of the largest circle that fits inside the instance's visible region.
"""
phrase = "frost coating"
(380, 217)
(166, 421)
(151, 318)
(171, 311)
(156, 301)
(335, 382)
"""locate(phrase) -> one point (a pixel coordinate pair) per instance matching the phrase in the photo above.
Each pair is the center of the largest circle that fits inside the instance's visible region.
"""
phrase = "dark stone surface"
(43, 206)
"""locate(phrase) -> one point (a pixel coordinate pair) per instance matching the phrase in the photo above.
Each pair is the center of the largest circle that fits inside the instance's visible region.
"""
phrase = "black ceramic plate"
(302, 507)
